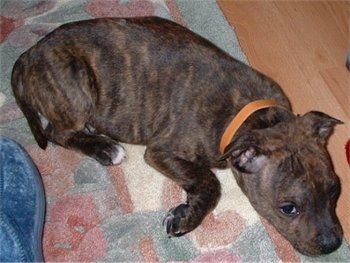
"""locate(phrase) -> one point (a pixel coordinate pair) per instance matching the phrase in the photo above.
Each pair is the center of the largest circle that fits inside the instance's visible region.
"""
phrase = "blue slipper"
(22, 205)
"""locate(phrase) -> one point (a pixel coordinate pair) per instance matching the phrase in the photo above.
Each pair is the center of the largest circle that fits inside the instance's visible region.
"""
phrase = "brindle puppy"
(91, 84)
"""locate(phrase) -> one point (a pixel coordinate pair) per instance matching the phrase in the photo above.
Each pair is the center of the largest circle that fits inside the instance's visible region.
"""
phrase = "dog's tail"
(29, 112)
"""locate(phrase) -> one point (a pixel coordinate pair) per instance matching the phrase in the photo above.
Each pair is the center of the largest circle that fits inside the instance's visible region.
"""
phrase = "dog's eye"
(289, 210)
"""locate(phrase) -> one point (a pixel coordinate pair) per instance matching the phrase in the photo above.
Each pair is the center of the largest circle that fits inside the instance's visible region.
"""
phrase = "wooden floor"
(303, 46)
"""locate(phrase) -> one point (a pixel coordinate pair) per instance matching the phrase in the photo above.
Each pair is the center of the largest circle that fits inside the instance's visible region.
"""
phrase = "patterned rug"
(96, 213)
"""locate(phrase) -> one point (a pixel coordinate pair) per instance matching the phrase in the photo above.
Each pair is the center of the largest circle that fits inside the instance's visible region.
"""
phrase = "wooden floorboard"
(303, 46)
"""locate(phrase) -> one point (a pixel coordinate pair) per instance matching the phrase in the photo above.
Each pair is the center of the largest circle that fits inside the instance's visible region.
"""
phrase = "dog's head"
(287, 174)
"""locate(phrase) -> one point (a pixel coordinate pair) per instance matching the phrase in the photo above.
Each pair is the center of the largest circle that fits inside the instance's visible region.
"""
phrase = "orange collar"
(242, 115)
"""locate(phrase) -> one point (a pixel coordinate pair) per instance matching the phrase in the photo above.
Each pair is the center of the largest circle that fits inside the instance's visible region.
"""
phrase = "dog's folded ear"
(319, 124)
(245, 154)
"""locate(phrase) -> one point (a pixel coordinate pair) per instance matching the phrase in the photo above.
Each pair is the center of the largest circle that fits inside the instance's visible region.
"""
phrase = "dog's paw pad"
(173, 222)
(118, 155)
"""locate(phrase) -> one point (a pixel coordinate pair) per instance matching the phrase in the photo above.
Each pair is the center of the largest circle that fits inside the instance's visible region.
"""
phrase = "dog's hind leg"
(102, 148)
(200, 183)
(65, 99)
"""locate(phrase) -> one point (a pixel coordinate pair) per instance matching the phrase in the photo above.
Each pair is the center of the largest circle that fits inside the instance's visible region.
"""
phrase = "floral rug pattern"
(97, 213)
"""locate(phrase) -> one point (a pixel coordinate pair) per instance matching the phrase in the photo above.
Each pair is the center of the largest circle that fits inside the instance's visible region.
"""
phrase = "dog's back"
(135, 73)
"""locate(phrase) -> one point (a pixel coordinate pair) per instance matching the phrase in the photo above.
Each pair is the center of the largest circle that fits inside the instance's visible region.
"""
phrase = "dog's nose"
(329, 243)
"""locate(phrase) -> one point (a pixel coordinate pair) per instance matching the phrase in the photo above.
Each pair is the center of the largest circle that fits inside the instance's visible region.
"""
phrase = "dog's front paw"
(177, 220)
